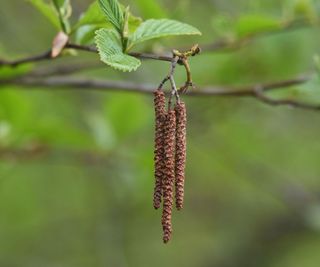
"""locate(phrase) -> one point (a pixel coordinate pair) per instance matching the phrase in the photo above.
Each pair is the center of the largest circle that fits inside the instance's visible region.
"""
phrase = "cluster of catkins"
(169, 158)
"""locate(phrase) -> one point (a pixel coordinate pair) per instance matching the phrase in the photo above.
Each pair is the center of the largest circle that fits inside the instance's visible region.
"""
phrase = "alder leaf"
(64, 10)
(110, 50)
(85, 34)
(113, 12)
(155, 28)
(94, 16)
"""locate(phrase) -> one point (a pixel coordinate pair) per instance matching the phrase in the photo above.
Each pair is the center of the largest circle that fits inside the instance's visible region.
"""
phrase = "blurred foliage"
(76, 167)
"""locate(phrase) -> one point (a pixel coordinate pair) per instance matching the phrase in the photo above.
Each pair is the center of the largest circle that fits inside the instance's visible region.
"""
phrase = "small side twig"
(183, 60)
(14, 63)
(47, 56)
(174, 61)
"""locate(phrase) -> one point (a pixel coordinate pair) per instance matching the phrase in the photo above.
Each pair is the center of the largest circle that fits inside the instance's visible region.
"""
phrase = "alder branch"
(47, 56)
(31, 59)
(256, 91)
(215, 46)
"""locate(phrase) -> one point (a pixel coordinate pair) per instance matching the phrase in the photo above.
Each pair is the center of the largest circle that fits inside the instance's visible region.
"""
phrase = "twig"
(174, 61)
(169, 77)
(14, 63)
(134, 54)
(47, 56)
(213, 47)
(68, 83)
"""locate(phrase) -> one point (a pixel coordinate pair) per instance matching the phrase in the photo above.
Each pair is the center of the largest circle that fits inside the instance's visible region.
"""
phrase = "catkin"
(169, 173)
(180, 156)
(159, 105)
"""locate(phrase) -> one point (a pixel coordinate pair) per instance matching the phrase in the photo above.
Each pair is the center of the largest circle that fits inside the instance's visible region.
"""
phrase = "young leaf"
(155, 28)
(64, 10)
(114, 14)
(134, 22)
(110, 50)
(85, 34)
(95, 17)
(47, 10)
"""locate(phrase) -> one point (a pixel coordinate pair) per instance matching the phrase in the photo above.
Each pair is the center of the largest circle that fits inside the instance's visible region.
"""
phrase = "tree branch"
(47, 56)
(255, 91)
(36, 78)
(219, 45)
(14, 63)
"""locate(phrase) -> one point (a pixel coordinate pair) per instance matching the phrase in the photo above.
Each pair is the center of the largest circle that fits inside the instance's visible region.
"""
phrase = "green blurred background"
(76, 166)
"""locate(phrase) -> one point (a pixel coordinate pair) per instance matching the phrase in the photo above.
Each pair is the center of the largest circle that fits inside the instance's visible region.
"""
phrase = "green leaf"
(85, 34)
(254, 24)
(155, 28)
(58, 3)
(47, 10)
(112, 10)
(134, 23)
(64, 10)
(93, 18)
(125, 30)
(110, 50)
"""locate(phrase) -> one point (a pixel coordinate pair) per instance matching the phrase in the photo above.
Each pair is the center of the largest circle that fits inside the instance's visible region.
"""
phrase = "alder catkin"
(169, 173)
(160, 113)
(180, 156)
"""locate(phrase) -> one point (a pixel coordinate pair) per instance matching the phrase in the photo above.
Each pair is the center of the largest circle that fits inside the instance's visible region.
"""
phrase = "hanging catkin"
(180, 157)
(159, 105)
(168, 179)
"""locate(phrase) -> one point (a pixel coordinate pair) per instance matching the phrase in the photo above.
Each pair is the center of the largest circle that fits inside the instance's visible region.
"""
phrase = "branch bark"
(215, 46)
(256, 91)
(34, 80)
(47, 56)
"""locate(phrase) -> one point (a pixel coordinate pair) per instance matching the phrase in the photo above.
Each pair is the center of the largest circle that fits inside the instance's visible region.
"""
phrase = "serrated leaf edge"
(115, 65)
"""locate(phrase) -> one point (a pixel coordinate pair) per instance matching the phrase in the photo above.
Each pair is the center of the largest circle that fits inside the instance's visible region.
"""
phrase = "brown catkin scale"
(169, 173)
(180, 156)
(160, 113)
